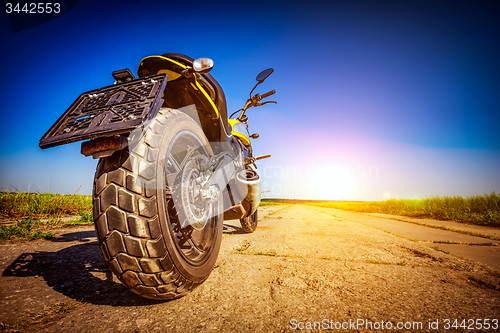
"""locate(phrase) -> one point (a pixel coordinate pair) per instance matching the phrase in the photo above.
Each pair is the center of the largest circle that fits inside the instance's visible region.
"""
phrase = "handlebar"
(260, 104)
(255, 101)
(267, 94)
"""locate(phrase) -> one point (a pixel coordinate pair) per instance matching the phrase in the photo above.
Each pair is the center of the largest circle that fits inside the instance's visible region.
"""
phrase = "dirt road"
(304, 267)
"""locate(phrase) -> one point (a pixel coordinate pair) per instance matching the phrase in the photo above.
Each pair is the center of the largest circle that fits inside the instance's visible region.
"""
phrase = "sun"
(332, 183)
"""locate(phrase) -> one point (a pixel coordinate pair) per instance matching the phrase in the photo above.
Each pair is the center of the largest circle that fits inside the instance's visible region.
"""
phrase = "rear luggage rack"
(108, 111)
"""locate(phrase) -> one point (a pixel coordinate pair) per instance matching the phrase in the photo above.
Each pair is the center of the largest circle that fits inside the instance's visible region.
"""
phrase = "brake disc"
(197, 207)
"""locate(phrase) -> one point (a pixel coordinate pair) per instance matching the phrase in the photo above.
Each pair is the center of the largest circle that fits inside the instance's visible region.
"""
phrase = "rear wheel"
(158, 234)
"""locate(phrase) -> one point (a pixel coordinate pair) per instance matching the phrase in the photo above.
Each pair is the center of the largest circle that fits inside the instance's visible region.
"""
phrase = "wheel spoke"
(190, 150)
(178, 159)
(194, 246)
(171, 162)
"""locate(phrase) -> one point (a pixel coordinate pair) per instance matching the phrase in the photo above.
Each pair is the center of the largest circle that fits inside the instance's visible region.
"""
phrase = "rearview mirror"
(264, 75)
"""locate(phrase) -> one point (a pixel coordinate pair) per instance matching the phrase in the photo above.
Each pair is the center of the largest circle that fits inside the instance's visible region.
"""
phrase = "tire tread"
(126, 219)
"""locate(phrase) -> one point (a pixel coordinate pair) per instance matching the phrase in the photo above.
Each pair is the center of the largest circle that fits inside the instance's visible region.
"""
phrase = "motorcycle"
(172, 167)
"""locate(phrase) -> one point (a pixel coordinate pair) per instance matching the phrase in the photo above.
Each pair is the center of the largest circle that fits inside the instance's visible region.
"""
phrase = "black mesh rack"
(108, 111)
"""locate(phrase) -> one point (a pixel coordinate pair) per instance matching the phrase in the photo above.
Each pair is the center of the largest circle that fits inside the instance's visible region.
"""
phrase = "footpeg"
(250, 160)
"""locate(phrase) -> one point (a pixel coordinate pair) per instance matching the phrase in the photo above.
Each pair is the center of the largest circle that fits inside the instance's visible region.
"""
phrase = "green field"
(264, 203)
(32, 214)
(21, 205)
(35, 213)
(479, 209)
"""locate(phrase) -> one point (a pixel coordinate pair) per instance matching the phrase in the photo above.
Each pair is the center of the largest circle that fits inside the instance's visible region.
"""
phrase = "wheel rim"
(186, 159)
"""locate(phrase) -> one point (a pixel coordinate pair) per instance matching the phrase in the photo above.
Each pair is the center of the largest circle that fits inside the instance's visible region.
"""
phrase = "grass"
(34, 213)
(23, 229)
(266, 253)
(44, 318)
(9, 327)
(22, 205)
(243, 247)
(445, 242)
(55, 309)
(264, 203)
(382, 262)
(479, 209)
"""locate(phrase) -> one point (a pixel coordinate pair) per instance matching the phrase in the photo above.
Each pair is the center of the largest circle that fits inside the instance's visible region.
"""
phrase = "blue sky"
(376, 99)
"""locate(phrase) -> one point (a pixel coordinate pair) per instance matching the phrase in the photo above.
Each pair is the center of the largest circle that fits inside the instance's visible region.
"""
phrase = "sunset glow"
(333, 183)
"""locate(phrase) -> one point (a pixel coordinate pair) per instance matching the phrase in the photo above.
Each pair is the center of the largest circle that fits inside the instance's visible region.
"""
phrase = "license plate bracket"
(108, 111)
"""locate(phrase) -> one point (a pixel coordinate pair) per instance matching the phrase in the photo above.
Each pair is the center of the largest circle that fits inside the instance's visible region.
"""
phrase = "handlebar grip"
(267, 94)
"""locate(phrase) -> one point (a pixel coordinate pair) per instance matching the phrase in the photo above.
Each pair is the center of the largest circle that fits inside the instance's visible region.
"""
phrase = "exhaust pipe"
(248, 187)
